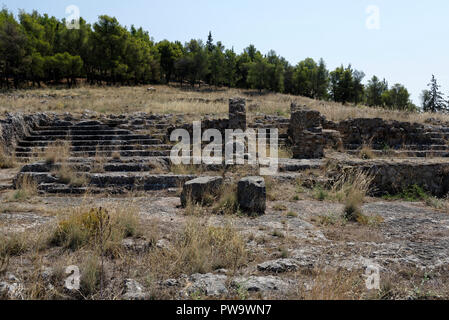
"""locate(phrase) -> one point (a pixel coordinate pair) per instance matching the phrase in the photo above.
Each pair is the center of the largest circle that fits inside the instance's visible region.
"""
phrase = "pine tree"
(374, 91)
(210, 43)
(432, 99)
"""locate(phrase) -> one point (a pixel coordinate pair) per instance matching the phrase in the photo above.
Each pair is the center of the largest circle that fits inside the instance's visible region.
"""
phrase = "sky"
(403, 41)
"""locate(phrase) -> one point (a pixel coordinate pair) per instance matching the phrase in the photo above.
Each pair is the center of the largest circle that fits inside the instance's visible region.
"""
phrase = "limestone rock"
(209, 284)
(163, 244)
(12, 288)
(278, 266)
(260, 284)
(252, 195)
(133, 290)
(198, 189)
(136, 245)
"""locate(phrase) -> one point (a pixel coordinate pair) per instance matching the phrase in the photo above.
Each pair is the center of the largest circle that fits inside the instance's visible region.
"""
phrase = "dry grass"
(200, 248)
(81, 227)
(116, 155)
(331, 285)
(7, 161)
(351, 188)
(26, 189)
(174, 100)
(366, 153)
(57, 152)
(227, 204)
(184, 169)
(99, 162)
(12, 245)
(277, 191)
(68, 176)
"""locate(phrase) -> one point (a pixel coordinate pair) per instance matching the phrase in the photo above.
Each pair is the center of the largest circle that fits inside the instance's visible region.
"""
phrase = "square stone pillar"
(306, 133)
(237, 113)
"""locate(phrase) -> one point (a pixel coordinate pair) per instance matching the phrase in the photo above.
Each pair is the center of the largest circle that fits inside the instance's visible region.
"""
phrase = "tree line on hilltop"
(36, 49)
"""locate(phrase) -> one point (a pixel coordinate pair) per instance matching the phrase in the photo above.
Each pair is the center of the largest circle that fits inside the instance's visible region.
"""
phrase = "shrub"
(412, 193)
(351, 188)
(89, 226)
(320, 194)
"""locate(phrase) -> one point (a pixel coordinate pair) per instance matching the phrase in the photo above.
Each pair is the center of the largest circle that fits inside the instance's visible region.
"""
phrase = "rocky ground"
(300, 249)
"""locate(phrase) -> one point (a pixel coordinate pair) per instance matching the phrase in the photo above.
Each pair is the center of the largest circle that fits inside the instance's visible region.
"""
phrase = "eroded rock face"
(306, 133)
(252, 195)
(18, 125)
(199, 189)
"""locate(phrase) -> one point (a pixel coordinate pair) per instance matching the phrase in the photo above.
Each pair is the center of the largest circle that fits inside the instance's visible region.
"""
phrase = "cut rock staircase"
(437, 145)
(104, 155)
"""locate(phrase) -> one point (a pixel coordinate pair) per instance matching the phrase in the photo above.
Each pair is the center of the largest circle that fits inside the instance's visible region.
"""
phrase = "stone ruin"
(306, 133)
(134, 149)
(237, 114)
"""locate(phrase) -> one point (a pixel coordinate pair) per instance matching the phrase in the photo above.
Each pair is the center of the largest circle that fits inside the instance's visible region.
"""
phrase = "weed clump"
(89, 227)
(68, 176)
(202, 248)
(26, 188)
(366, 153)
(6, 161)
(228, 203)
(58, 151)
(411, 193)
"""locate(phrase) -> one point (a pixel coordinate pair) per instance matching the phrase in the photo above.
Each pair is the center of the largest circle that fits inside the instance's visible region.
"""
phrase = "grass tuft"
(82, 226)
(202, 248)
(58, 151)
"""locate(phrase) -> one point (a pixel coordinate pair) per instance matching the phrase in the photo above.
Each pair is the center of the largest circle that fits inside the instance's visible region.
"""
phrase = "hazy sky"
(406, 44)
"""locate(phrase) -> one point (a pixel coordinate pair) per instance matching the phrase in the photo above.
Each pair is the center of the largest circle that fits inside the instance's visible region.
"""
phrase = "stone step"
(79, 143)
(74, 128)
(142, 181)
(93, 148)
(42, 167)
(56, 188)
(298, 165)
(437, 134)
(131, 153)
(88, 132)
(93, 137)
(118, 182)
(406, 153)
(423, 147)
